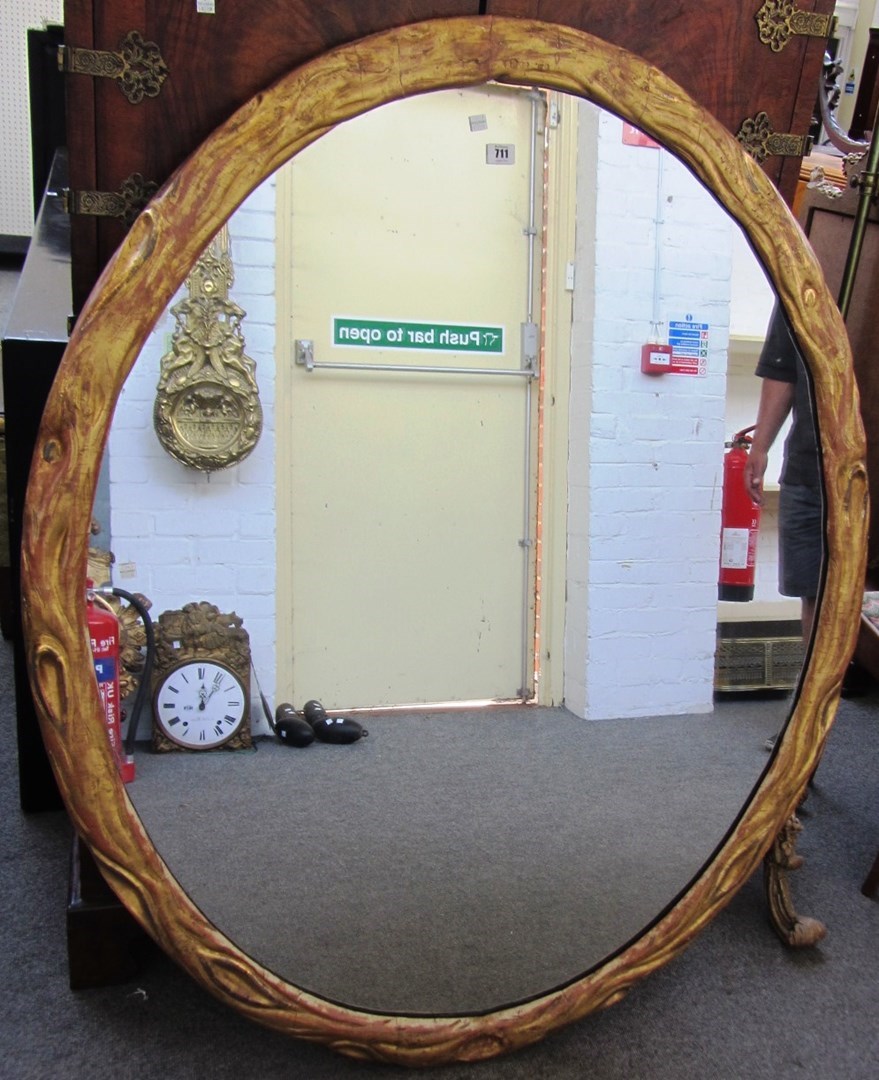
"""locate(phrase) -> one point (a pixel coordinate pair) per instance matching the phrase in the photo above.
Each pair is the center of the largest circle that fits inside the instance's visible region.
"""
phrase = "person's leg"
(800, 553)
(800, 547)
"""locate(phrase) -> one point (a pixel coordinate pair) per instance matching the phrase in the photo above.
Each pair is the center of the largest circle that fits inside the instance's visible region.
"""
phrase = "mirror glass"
(475, 524)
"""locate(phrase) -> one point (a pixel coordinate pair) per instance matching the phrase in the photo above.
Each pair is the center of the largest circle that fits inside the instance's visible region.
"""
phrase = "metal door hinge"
(137, 67)
(125, 204)
(780, 20)
(760, 140)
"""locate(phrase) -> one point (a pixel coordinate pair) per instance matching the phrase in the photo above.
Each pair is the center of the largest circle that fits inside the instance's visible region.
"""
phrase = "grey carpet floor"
(736, 1004)
(453, 861)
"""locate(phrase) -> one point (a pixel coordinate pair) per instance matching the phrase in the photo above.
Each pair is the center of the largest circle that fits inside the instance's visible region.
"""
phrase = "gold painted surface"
(207, 412)
(163, 244)
(132, 644)
(795, 930)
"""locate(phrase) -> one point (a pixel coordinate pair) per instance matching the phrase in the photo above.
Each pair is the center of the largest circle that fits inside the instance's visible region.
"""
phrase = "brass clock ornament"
(207, 412)
(201, 680)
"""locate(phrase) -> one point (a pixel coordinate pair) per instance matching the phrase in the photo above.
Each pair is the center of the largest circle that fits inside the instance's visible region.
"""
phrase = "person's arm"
(776, 400)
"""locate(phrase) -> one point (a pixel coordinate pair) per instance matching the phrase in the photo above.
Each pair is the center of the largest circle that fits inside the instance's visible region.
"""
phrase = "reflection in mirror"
(505, 552)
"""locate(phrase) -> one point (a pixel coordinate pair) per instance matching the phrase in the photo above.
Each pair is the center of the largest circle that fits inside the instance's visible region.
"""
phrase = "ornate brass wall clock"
(207, 413)
(201, 680)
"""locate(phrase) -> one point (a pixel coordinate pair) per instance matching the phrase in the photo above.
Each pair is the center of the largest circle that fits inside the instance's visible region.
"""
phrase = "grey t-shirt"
(780, 359)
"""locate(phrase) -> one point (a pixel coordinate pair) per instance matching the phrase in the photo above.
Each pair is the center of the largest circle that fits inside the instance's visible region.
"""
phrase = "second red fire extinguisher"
(739, 525)
(103, 627)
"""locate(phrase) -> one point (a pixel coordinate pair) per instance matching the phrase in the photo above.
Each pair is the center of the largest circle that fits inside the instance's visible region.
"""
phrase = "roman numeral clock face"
(200, 704)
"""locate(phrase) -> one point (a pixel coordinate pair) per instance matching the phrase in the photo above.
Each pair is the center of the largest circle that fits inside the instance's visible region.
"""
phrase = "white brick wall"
(646, 452)
(191, 536)
(645, 457)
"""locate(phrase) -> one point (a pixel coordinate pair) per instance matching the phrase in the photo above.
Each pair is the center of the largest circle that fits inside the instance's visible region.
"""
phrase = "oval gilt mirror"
(153, 262)
(491, 814)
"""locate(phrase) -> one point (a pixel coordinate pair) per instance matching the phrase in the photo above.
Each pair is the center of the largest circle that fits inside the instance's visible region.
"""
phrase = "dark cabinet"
(33, 344)
(216, 62)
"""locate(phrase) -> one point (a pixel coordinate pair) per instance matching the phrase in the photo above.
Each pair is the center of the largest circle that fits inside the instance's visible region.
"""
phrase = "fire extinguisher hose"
(143, 689)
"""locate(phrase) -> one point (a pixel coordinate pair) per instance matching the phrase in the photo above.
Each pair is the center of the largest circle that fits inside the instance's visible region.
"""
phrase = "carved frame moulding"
(154, 260)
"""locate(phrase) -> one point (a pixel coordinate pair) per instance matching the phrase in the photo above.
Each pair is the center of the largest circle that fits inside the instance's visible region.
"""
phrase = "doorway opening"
(415, 270)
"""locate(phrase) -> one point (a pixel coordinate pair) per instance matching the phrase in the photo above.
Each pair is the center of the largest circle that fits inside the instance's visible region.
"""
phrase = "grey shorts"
(800, 541)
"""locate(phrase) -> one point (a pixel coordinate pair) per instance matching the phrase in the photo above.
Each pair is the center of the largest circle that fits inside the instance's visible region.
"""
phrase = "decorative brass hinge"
(780, 20)
(758, 138)
(137, 67)
(126, 203)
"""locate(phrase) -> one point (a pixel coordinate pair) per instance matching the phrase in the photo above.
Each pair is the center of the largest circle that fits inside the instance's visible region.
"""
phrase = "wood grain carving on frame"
(154, 260)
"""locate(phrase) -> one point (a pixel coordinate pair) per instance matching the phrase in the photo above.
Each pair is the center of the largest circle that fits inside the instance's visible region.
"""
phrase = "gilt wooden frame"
(136, 286)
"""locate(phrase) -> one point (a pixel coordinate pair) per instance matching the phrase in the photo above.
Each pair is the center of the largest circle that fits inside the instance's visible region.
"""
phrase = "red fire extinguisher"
(739, 524)
(103, 627)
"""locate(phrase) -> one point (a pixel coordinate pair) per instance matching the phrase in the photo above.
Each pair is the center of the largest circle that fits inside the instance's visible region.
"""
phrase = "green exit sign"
(436, 337)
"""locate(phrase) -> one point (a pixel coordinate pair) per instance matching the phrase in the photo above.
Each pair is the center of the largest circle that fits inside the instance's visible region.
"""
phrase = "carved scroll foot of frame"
(798, 931)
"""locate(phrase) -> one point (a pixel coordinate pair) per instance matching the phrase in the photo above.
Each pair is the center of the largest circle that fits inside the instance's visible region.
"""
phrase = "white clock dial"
(200, 704)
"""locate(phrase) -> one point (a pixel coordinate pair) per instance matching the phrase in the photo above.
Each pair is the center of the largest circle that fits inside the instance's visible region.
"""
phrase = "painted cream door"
(408, 235)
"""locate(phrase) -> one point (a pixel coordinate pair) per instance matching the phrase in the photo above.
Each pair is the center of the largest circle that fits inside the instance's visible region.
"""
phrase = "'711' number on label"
(500, 154)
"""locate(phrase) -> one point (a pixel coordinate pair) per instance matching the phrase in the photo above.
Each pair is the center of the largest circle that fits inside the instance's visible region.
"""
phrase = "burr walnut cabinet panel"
(216, 62)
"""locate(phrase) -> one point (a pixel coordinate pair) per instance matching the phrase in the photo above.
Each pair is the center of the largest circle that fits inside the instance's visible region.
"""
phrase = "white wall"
(752, 297)
(16, 184)
(646, 451)
(180, 535)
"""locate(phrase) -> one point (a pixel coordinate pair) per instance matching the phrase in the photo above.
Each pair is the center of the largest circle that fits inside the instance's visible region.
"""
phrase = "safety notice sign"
(689, 344)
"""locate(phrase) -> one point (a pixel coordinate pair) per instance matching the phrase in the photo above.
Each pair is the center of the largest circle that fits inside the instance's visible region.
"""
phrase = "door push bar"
(303, 351)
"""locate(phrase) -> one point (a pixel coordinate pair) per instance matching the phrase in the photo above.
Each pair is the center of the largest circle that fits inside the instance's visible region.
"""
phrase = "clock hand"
(217, 681)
